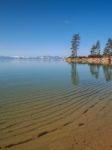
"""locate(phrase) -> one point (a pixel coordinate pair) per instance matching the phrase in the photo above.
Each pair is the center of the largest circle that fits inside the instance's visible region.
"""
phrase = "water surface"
(40, 99)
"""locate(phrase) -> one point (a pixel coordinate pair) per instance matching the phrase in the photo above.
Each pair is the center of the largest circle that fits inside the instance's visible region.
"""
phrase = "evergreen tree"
(98, 48)
(106, 51)
(95, 50)
(108, 48)
(75, 44)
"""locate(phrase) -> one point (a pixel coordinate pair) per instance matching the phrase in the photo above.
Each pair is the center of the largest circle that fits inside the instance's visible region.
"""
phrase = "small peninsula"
(95, 57)
(91, 60)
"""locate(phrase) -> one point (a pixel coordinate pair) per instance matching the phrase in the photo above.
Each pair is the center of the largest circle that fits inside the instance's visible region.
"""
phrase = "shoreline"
(90, 60)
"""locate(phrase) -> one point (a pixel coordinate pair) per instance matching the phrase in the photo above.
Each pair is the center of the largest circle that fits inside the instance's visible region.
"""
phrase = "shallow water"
(39, 99)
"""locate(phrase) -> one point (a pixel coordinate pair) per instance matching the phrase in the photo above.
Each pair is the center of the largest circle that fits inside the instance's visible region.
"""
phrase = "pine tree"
(75, 44)
(95, 50)
(108, 48)
(98, 48)
(106, 51)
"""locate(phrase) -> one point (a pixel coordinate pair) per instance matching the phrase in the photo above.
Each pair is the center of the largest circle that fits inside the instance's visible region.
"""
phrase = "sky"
(46, 27)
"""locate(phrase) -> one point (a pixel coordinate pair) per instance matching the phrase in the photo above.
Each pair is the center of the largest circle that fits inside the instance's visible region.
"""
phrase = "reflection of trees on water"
(74, 74)
(107, 69)
(94, 69)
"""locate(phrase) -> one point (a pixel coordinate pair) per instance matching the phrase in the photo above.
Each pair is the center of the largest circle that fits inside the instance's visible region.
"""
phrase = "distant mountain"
(6, 57)
(37, 57)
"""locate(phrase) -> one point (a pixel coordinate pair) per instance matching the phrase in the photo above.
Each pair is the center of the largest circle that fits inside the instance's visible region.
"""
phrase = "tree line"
(95, 50)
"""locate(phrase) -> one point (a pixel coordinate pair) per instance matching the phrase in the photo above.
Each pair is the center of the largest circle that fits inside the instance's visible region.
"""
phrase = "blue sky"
(45, 27)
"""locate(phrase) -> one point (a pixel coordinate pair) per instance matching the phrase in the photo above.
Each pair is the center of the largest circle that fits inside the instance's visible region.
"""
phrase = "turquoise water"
(38, 95)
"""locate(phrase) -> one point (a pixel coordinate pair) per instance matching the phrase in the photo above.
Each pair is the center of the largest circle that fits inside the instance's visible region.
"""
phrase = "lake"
(53, 105)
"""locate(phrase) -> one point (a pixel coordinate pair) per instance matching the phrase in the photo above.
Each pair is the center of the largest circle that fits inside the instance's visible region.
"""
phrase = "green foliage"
(108, 48)
(95, 50)
(75, 44)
